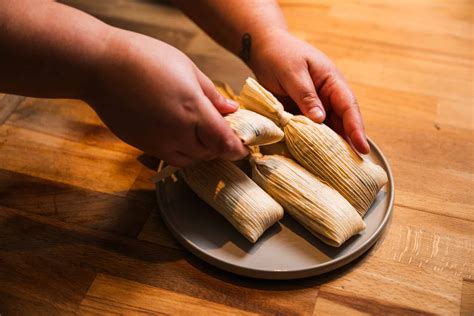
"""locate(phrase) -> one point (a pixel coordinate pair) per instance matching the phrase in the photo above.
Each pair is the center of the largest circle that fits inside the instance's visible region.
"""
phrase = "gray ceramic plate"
(285, 251)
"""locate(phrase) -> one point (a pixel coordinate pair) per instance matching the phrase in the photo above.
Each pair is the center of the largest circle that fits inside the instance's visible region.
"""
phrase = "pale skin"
(150, 94)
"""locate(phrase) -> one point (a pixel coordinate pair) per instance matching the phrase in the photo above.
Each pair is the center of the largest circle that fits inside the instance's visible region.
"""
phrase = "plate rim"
(288, 274)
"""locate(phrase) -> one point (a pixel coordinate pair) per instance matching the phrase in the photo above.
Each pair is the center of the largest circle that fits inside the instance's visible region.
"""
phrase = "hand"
(288, 66)
(154, 98)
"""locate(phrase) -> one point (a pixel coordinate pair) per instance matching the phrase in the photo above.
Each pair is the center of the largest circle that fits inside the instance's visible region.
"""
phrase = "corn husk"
(225, 90)
(276, 149)
(319, 149)
(314, 204)
(253, 128)
(233, 194)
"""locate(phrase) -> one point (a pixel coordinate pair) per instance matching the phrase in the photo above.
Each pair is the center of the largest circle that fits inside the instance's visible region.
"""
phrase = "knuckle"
(355, 104)
(227, 144)
(351, 127)
(188, 104)
(218, 97)
(351, 111)
(308, 97)
(329, 82)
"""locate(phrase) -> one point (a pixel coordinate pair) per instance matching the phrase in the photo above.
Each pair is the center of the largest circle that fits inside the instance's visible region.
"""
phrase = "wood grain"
(156, 232)
(445, 246)
(34, 248)
(80, 231)
(9, 104)
(73, 204)
(72, 120)
(58, 159)
(408, 290)
(113, 294)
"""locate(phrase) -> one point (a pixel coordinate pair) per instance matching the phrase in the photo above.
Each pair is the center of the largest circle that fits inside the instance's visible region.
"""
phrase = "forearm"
(48, 49)
(227, 21)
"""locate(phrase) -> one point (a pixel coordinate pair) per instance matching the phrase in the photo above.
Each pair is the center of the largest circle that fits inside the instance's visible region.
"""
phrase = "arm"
(282, 63)
(147, 92)
(48, 49)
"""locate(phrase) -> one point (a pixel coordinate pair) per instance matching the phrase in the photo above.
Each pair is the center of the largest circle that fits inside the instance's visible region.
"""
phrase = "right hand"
(154, 98)
(288, 66)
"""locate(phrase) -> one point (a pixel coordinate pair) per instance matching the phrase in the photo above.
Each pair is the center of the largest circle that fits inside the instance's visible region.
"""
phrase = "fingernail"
(316, 114)
(232, 103)
(367, 146)
(365, 143)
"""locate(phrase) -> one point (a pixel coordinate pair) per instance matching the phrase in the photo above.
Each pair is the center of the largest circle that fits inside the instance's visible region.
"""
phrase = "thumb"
(214, 133)
(300, 87)
(223, 105)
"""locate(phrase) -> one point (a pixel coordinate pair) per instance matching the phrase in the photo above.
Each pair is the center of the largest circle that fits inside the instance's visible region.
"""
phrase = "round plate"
(285, 251)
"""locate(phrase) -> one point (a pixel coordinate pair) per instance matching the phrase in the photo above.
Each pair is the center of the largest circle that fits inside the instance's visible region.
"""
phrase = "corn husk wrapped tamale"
(254, 129)
(314, 204)
(233, 194)
(319, 149)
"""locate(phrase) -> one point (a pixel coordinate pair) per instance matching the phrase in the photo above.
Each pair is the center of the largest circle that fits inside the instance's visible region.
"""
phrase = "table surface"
(79, 226)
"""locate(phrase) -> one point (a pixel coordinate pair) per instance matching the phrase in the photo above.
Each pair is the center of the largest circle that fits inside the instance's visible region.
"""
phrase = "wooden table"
(79, 226)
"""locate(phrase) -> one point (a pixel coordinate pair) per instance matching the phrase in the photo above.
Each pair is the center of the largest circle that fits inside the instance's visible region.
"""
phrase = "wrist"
(261, 43)
(101, 57)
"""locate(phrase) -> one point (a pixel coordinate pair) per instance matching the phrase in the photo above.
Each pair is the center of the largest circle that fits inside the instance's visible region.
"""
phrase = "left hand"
(289, 66)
